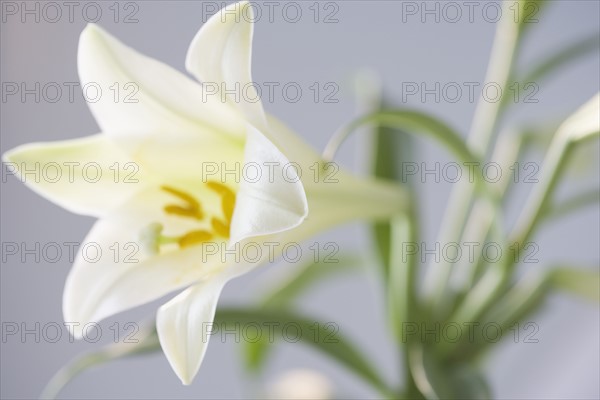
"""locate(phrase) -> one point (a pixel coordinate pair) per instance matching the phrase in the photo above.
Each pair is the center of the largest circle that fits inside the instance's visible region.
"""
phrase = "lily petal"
(341, 197)
(152, 97)
(221, 54)
(195, 158)
(184, 325)
(77, 174)
(267, 202)
(112, 272)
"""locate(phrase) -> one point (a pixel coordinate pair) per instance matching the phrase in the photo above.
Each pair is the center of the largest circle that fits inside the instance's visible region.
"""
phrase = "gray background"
(565, 362)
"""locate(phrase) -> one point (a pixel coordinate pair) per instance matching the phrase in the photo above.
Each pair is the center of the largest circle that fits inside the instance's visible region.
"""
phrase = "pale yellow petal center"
(186, 205)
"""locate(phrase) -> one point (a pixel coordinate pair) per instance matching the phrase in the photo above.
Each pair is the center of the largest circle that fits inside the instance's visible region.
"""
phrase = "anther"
(194, 237)
(221, 228)
(227, 198)
(193, 209)
(219, 187)
(228, 204)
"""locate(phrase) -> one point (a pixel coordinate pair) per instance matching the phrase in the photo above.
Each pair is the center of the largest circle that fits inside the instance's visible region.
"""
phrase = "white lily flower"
(170, 133)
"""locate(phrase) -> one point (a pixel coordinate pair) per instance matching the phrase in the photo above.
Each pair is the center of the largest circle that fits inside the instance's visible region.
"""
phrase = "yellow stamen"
(219, 188)
(194, 237)
(182, 195)
(193, 209)
(184, 212)
(227, 198)
(220, 227)
(227, 204)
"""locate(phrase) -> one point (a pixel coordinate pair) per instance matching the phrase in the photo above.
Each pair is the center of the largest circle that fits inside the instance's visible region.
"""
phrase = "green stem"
(537, 204)
(401, 291)
(483, 217)
(402, 272)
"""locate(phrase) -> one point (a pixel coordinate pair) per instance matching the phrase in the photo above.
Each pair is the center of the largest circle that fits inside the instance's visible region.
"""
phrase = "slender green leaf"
(411, 121)
(581, 282)
(417, 123)
(146, 344)
(438, 380)
(520, 301)
(571, 53)
(573, 204)
(507, 40)
(289, 290)
(528, 14)
(469, 383)
(320, 336)
(285, 293)
(255, 354)
(527, 296)
(427, 375)
(582, 126)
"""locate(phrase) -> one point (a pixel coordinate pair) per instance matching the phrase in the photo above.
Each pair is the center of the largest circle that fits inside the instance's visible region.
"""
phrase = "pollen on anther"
(228, 204)
(218, 187)
(184, 212)
(227, 198)
(193, 207)
(194, 237)
(220, 227)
